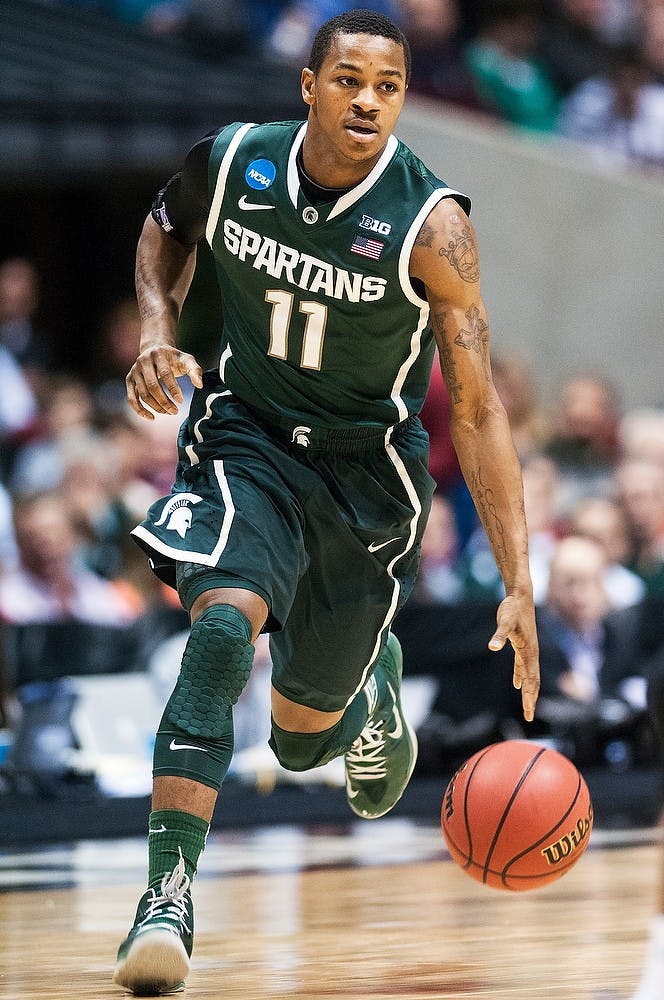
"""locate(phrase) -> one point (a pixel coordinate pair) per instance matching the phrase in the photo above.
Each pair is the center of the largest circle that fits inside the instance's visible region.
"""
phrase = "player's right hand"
(152, 385)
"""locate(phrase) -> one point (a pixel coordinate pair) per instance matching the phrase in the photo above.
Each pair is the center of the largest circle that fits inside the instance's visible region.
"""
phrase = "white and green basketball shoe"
(154, 957)
(381, 760)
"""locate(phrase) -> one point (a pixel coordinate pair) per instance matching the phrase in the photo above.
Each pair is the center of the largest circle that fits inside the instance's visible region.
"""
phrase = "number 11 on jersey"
(314, 328)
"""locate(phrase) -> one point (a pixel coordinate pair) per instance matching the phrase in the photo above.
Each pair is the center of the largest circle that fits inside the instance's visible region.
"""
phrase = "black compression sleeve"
(181, 208)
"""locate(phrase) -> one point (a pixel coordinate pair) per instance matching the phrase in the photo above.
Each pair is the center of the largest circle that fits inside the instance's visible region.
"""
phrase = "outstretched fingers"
(516, 623)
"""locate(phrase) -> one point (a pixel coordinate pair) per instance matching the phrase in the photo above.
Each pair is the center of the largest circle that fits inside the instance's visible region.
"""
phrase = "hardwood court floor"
(374, 911)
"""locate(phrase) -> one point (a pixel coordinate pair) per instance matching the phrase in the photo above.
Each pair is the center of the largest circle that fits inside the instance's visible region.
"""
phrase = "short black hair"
(354, 22)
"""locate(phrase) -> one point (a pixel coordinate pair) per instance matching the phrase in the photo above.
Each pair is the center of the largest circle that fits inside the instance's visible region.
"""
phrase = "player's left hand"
(516, 622)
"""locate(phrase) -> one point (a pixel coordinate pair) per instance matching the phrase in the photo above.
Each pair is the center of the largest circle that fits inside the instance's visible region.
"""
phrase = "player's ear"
(308, 83)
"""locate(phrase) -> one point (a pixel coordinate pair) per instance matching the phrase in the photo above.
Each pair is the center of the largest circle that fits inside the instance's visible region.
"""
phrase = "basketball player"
(302, 488)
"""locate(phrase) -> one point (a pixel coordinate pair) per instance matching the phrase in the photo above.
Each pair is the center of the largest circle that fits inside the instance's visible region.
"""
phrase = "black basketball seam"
(513, 860)
(501, 823)
(492, 871)
(465, 808)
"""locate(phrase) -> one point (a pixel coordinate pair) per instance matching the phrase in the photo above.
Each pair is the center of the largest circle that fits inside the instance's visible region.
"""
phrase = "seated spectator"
(50, 584)
(59, 619)
(515, 384)
(118, 348)
(619, 115)
(8, 550)
(592, 693)
(440, 578)
(298, 21)
(508, 77)
(641, 435)
(436, 40)
(584, 438)
(18, 410)
(573, 41)
(640, 493)
(66, 422)
(603, 520)
(651, 36)
(541, 483)
(541, 502)
(19, 299)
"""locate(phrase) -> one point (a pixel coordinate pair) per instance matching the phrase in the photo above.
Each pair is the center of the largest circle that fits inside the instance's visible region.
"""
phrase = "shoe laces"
(366, 760)
(170, 901)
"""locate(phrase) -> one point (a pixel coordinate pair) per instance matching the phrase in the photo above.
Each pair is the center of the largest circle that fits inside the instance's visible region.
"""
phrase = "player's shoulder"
(413, 164)
(425, 178)
(248, 133)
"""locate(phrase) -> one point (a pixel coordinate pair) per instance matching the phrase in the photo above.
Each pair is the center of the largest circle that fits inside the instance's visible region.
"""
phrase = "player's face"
(355, 100)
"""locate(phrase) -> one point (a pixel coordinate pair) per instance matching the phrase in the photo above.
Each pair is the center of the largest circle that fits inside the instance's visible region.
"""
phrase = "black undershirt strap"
(316, 193)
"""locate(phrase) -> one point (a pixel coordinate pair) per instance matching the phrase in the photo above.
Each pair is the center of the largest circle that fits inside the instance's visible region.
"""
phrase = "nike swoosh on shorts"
(374, 546)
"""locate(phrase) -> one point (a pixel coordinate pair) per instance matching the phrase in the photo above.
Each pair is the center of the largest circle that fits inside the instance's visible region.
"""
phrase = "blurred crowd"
(591, 71)
(77, 596)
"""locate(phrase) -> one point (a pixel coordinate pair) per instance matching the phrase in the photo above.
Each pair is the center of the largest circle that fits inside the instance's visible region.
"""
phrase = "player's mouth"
(361, 131)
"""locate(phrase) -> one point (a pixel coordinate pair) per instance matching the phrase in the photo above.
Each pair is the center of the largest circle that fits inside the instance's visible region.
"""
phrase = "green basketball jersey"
(322, 324)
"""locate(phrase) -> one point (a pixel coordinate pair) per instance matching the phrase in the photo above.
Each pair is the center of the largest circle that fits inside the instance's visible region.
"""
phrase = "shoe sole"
(156, 964)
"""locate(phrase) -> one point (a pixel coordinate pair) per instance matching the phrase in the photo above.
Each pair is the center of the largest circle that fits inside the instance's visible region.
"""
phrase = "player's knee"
(302, 751)
(215, 669)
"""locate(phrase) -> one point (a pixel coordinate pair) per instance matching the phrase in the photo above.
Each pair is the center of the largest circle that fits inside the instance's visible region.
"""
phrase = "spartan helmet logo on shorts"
(301, 436)
(177, 513)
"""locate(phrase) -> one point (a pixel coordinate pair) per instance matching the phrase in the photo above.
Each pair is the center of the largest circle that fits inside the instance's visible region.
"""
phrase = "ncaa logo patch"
(260, 174)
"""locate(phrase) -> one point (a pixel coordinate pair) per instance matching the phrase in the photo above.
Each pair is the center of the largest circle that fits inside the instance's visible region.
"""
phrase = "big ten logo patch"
(375, 225)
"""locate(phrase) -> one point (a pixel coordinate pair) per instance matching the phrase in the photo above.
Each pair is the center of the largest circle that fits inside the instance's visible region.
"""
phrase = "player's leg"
(193, 750)
(336, 654)
(229, 537)
(372, 733)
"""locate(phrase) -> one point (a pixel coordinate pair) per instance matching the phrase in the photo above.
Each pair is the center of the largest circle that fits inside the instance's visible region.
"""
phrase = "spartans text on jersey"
(300, 269)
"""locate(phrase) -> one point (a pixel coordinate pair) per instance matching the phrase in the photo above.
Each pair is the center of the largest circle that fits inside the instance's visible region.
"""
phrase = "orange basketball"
(516, 815)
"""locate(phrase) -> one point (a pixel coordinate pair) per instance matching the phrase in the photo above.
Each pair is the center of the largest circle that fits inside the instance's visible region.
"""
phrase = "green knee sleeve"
(302, 751)
(215, 669)
(179, 754)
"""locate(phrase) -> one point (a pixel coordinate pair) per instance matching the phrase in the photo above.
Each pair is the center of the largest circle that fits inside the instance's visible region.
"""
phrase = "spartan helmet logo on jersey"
(177, 513)
(301, 436)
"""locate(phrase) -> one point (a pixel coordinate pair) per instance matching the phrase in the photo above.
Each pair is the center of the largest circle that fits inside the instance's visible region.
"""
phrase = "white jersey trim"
(410, 294)
(348, 199)
(222, 177)
(190, 449)
(411, 492)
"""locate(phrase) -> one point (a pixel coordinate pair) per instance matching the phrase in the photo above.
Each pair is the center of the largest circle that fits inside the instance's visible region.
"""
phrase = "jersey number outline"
(280, 320)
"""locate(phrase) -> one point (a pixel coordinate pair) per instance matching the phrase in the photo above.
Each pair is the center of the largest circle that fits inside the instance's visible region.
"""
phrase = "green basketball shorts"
(324, 525)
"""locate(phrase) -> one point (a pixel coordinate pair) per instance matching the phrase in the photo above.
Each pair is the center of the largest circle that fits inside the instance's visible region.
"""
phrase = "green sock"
(169, 832)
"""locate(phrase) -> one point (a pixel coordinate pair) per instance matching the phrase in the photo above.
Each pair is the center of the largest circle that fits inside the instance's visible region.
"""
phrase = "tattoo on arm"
(146, 307)
(425, 236)
(483, 496)
(461, 252)
(476, 338)
(447, 362)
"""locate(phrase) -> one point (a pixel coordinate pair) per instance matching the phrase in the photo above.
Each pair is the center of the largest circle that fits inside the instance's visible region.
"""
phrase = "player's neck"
(330, 171)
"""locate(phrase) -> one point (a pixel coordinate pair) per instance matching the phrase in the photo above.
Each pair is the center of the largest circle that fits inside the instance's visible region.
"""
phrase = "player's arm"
(164, 269)
(446, 260)
(165, 264)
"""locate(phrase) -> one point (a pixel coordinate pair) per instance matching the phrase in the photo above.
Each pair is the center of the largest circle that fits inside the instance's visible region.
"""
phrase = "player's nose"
(366, 100)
